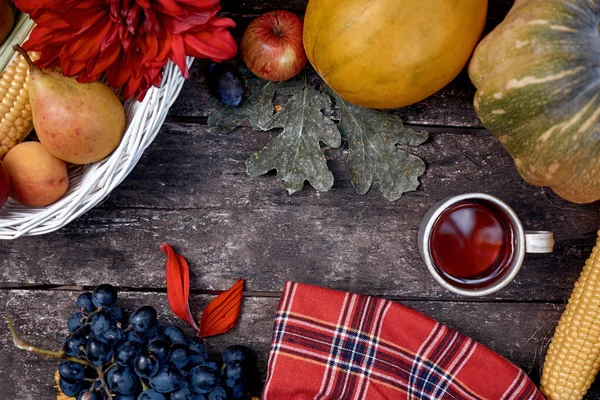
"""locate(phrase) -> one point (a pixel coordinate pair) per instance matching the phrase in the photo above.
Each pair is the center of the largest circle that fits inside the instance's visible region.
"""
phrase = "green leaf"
(373, 138)
(296, 153)
(257, 108)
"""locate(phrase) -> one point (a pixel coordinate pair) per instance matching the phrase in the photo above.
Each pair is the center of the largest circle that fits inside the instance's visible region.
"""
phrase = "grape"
(114, 336)
(71, 371)
(234, 373)
(153, 331)
(104, 296)
(160, 349)
(133, 336)
(85, 395)
(202, 379)
(146, 365)
(126, 353)
(75, 322)
(211, 365)
(122, 380)
(76, 343)
(237, 353)
(146, 354)
(70, 389)
(239, 392)
(143, 319)
(84, 302)
(225, 83)
(98, 352)
(117, 313)
(195, 360)
(197, 345)
(159, 336)
(179, 356)
(100, 323)
(183, 393)
(151, 395)
(166, 380)
(217, 393)
(174, 334)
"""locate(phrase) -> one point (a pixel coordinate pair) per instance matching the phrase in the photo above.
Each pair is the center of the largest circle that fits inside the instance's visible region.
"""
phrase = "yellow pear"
(77, 122)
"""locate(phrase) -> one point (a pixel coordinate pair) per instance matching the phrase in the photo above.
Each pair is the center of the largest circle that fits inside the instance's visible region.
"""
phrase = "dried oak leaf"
(300, 152)
(373, 138)
(296, 153)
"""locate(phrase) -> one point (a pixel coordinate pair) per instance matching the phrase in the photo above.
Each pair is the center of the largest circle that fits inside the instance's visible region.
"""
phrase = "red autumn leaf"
(178, 285)
(221, 314)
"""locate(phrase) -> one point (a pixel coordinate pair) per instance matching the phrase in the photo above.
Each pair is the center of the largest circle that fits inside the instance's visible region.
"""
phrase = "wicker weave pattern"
(92, 183)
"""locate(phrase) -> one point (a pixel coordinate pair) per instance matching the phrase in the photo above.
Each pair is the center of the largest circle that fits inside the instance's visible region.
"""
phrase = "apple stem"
(277, 28)
(21, 50)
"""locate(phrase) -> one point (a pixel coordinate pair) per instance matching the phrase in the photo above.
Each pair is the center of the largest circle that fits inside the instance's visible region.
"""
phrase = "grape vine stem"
(103, 382)
(23, 345)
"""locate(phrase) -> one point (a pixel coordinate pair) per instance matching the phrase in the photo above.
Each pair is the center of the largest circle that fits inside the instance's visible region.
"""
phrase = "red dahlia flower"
(130, 40)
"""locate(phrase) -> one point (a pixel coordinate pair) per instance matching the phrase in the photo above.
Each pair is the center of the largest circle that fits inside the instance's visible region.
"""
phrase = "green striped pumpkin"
(538, 91)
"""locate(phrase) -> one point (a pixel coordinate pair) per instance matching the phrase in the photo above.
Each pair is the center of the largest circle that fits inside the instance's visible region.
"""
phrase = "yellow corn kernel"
(15, 111)
(573, 357)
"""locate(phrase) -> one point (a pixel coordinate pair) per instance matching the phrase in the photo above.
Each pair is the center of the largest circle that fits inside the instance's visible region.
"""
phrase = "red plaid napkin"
(335, 345)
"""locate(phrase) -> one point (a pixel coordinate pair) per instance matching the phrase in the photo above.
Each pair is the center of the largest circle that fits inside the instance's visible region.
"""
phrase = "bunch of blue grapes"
(112, 357)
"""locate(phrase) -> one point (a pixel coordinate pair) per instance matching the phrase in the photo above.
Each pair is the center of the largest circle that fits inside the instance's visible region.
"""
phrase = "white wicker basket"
(90, 184)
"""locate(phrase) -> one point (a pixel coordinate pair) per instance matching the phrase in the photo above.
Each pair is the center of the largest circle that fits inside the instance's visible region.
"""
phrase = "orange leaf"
(178, 285)
(221, 314)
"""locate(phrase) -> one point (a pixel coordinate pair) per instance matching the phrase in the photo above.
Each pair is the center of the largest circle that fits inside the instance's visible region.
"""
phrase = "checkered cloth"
(335, 345)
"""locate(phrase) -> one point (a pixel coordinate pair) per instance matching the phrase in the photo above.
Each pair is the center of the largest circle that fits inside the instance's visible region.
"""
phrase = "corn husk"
(18, 35)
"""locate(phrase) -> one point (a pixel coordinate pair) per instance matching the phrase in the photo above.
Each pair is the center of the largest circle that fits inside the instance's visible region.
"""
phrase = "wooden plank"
(519, 332)
(451, 106)
(190, 189)
(496, 8)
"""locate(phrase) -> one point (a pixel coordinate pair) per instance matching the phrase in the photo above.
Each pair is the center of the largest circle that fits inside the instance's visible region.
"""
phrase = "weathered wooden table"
(190, 189)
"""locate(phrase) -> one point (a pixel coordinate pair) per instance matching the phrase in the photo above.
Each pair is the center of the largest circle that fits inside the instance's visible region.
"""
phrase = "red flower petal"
(84, 46)
(118, 73)
(221, 314)
(130, 41)
(170, 7)
(178, 54)
(178, 285)
(211, 44)
(181, 23)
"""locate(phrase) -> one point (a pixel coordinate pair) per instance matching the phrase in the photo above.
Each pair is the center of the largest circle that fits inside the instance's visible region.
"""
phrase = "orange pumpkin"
(391, 53)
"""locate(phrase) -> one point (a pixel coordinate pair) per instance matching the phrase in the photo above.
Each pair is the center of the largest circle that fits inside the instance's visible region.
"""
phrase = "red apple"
(4, 185)
(272, 46)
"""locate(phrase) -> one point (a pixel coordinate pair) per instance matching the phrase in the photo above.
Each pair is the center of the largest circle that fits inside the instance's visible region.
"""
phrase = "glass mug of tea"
(474, 244)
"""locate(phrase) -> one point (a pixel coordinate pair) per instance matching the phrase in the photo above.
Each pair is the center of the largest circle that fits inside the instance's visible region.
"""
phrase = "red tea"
(472, 243)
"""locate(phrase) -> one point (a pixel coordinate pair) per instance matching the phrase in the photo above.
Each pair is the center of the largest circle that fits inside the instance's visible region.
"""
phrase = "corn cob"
(15, 111)
(573, 358)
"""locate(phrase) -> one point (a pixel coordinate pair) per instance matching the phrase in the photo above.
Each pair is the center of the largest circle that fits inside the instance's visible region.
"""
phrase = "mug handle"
(539, 242)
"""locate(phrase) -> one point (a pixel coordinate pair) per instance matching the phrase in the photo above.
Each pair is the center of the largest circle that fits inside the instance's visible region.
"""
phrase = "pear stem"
(21, 50)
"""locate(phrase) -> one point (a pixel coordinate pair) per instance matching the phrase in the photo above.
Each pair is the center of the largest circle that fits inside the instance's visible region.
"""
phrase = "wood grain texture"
(190, 189)
(40, 317)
